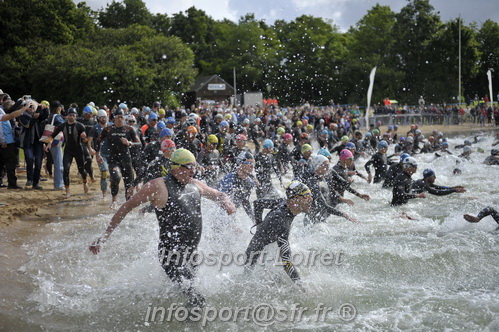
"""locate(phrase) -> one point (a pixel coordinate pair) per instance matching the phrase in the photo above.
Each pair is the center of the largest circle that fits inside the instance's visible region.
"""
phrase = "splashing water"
(437, 272)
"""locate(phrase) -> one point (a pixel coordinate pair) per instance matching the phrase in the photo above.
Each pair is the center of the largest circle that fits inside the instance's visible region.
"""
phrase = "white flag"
(489, 75)
(369, 95)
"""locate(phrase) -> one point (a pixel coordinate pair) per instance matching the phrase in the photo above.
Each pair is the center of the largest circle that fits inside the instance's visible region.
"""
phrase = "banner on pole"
(369, 94)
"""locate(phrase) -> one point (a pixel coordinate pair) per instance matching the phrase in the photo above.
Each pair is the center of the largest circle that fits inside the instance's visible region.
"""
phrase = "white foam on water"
(438, 272)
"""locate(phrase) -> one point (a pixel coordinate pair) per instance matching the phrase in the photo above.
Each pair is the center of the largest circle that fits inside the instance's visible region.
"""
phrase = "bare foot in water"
(406, 216)
(85, 188)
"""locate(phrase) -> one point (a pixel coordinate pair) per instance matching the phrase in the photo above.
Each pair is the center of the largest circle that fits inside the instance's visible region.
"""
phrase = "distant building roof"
(203, 81)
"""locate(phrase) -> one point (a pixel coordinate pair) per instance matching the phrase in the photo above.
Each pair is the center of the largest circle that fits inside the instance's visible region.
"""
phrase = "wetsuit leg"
(178, 266)
(489, 211)
(67, 159)
(115, 178)
(80, 162)
(127, 173)
(285, 253)
(247, 207)
(87, 157)
(103, 167)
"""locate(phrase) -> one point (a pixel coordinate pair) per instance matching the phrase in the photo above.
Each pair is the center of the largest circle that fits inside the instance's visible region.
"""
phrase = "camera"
(27, 97)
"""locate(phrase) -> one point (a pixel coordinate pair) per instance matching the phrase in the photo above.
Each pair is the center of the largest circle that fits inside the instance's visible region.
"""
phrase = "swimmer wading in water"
(177, 201)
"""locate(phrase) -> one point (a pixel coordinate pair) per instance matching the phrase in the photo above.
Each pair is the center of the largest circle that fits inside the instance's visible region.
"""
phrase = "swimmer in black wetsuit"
(488, 211)
(321, 209)
(380, 163)
(402, 187)
(394, 170)
(238, 184)
(277, 225)
(427, 184)
(177, 200)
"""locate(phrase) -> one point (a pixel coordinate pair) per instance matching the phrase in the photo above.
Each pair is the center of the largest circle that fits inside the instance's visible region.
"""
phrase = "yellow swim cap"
(212, 139)
(162, 111)
(299, 123)
(182, 157)
(306, 148)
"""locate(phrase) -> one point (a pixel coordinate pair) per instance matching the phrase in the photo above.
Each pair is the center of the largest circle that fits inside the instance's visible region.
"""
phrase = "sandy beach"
(40, 206)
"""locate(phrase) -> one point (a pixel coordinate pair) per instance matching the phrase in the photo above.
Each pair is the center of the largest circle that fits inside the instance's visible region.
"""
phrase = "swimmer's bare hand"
(352, 219)
(228, 206)
(95, 246)
(460, 189)
(348, 201)
(365, 197)
(369, 178)
(422, 195)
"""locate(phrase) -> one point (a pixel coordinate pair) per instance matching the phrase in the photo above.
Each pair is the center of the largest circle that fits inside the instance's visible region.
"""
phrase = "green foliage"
(54, 49)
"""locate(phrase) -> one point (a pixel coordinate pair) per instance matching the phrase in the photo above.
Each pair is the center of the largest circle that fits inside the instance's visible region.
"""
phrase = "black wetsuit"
(337, 181)
(180, 226)
(74, 148)
(89, 124)
(402, 189)
(489, 211)
(148, 154)
(420, 187)
(264, 163)
(380, 162)
(275, 227)
(393, 171)
(239, 191)
(210, 160)
(320, 208)
(119, 155)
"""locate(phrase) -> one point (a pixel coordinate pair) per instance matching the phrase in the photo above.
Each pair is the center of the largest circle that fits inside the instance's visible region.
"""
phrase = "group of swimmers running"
(186, 164)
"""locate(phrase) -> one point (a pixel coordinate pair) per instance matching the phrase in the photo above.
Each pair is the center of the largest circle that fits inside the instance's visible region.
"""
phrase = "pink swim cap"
(287, 136)
(345, 154)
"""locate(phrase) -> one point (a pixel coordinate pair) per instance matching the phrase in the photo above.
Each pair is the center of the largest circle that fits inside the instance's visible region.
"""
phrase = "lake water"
(438, 272)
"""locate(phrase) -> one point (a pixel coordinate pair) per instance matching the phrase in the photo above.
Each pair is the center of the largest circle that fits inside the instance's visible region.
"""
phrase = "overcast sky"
(344, 13)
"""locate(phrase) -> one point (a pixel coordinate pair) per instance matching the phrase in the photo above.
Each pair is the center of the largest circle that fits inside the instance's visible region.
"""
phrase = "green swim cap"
(182, 157)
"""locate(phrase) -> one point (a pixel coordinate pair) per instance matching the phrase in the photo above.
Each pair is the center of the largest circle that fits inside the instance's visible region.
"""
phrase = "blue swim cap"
(153, 116)
(390, 127)
(445, 144)
(396, 127)
(224, 124)
(402, 138)
(427, 173)
(349, 146)
(368, 134)
(324, 152)
(147, 109)
(325, 132)
(268, 144)
(170, 120)
(87, 109)
(165, 132)
(382, 145)
(161, 125)
(123, 106)
(403, 156)
(305, 117)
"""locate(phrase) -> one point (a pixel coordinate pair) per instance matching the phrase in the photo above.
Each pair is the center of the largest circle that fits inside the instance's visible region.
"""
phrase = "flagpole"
(235, 95)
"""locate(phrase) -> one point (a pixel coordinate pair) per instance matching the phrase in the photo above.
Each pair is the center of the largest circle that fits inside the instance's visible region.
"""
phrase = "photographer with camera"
(31, 132)
(8, 150)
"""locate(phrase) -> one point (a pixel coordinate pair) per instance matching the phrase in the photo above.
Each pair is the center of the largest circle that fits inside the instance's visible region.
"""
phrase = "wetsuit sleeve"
(367, 166)
(439, 190)
(285, 253)
(261, 204)
(225, 184)
(102, 137)
(489, 211)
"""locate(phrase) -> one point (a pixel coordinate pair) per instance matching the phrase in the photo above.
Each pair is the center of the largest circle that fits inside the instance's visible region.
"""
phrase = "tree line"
(59, 50)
